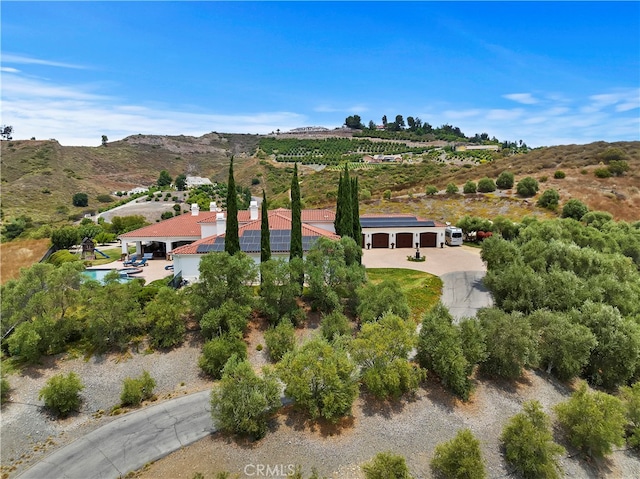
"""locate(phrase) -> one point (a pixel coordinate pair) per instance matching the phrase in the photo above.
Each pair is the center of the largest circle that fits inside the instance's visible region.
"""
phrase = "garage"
(404, 240)
(380, 240)
(428, 240)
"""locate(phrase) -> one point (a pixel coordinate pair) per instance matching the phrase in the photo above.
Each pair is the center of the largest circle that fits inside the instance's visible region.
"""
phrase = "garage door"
(380, 240)
(428, 240)
(404, 240)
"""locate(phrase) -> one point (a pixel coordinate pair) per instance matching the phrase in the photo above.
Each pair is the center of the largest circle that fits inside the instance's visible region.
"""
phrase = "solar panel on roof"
(395, 222)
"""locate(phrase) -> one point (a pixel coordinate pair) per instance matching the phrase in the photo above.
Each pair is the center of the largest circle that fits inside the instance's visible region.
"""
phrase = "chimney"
(195, 209)
(212, 206)
(253, 210)
(221, 224)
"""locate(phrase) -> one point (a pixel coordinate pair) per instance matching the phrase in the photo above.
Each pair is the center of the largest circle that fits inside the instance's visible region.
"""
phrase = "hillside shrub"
(4, 390)
(602, 173)
(559, 175)
(80, 199)
(334, 324)
(431, 190)
(505, 180)
(280, 340)
(486, 185)
(459, 458)
(62, 256)
(618, 167)
(386, 465)
(631, 398)
(451, 189)
(527, 187)
(575, 209)
(593, 421)
(387, 195)
(469, 187)
(136, 390)
(216, 352)
(105, 199)
(528, 444)
(549, 199)
(61, 394)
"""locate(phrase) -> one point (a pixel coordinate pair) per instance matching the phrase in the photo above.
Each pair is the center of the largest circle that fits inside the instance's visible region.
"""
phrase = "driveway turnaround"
(460, 268)
(129, 442)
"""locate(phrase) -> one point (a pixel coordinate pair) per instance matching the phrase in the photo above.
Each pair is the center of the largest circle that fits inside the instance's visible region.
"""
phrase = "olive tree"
(459, 458)
(61, 394)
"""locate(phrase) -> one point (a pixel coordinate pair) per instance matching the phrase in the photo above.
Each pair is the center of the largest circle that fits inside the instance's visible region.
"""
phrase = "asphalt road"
(464, 293)
(129, 442)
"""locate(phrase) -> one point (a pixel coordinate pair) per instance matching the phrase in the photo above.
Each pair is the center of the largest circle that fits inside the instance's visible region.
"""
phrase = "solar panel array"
(280, 240)
(397, 221)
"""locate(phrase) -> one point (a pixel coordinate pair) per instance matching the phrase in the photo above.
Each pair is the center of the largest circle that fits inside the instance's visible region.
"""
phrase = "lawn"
(422, 290)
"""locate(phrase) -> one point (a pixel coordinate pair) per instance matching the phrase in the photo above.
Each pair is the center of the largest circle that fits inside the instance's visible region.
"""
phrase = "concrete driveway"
(460, 268)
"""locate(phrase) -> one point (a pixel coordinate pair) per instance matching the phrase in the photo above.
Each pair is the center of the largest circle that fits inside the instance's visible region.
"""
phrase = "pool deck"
(152, 271)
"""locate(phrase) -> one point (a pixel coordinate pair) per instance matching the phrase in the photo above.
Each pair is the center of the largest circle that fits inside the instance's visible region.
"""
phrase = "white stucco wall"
(368, 232)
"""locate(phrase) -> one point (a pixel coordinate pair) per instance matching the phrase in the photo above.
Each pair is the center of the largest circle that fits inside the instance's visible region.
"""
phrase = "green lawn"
(422, 290)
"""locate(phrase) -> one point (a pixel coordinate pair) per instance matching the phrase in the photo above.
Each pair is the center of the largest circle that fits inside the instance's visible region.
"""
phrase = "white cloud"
(9, 70)
(355, 109)
(25, 60)
(524, 98)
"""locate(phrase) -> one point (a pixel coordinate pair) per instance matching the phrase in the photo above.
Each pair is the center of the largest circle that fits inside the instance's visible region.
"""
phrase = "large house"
(187, 237)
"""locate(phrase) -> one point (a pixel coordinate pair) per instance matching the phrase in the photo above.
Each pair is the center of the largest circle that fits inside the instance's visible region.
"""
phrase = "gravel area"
(28, 432)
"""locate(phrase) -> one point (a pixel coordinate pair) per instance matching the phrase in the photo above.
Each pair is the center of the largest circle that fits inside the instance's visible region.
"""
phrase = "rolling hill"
(39, 178)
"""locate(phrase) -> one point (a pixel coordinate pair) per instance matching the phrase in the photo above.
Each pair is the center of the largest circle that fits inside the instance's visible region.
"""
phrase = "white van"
(453, 236)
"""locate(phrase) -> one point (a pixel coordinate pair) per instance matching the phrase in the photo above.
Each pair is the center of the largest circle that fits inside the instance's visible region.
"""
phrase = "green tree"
(243, 402)
(563, 345)
(344, 206)
(549, 199)
(231, 237)
(334, 324)
(104, 140)
(354, 122)
(320, 379)
(333, 272)
(164, 314)
(265, 233)
(104, 237)
(631, 398)
(386, 465)
(575, 209)
(80, 199)
(593, 421)
(124, 224)
(505, 180)
(295, 250)
(528, 444)
(355, 210)
(431, 190)
(279, 289)
(469, 187)
(280, 339)
(382, 349)
(164, 179)
(216, 353)
(223, 277)
(440, 350)
(61, 394)
(376, 299)
(459, 458)
(136, 390)
(511, 344)
(486, 185)
(527, 187)
(181, 182)
(452, 188)
(229, 318)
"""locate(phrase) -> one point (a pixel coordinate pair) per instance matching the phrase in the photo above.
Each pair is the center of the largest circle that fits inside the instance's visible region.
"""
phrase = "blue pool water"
(99, 275)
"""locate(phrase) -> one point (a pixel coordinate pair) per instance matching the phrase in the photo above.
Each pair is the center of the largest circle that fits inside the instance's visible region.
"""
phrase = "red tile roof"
(279, 219)
(178, 226)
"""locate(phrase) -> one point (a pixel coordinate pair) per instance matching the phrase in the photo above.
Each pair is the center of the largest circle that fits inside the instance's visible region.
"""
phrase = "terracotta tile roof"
(278, 220)
(178, 226)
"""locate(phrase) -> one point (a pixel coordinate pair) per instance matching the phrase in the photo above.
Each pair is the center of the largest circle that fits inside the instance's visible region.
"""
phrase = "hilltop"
(39, 178)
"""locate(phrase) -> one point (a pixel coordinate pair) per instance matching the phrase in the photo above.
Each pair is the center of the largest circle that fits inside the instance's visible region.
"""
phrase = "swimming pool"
(100, 274)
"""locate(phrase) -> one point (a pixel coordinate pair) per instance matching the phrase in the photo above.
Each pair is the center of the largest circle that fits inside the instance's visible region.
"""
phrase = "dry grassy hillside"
(39, 178)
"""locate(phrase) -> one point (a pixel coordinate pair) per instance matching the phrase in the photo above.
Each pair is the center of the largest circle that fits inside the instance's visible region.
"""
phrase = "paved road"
(129, 442)
(464, 294)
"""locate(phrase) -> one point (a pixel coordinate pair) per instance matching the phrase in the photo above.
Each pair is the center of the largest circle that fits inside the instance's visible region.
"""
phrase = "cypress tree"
(346, 218)
(295, 249)
(232, 240)
(355, 207)
(339, 208)
(265, 235)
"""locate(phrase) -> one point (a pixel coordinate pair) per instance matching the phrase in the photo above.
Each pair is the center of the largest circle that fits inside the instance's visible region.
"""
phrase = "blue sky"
(547, 73)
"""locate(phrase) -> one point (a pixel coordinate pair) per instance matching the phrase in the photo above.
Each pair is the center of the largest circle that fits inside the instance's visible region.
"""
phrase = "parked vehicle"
(453, 236)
